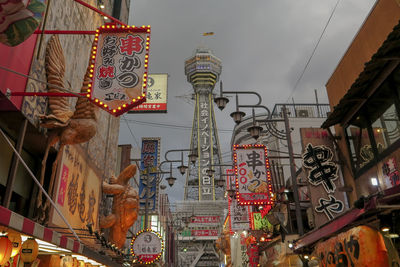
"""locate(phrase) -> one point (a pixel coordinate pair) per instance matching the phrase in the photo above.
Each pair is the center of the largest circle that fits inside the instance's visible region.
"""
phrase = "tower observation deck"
(203, 70)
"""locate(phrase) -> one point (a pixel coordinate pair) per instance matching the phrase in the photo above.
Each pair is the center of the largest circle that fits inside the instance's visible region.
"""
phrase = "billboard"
(156, 96)
(322, 175)
(78, 189)
(253, 177)
(118, 67)
(147, 246)
(149, 160)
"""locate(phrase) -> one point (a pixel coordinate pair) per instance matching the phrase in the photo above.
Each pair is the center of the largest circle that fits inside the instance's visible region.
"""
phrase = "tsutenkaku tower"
(202, 71)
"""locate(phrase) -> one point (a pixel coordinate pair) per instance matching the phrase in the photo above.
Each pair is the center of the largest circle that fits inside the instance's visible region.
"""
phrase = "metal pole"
(14, 164)
(146, 208)
(293, 174)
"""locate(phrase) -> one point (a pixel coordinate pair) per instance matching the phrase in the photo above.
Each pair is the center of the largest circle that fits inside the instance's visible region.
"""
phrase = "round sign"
(147, 246)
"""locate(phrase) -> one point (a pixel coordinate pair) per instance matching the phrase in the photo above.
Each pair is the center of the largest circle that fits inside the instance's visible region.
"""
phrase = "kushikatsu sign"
(118, 67)
(253, 177)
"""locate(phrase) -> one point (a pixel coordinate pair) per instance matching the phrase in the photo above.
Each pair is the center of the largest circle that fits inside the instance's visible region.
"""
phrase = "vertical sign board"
(322, 175)
(205, 147)
(149, 160)
(156, 96)
(118, 67)
(253, 177)
(78, 189)
(239, 216)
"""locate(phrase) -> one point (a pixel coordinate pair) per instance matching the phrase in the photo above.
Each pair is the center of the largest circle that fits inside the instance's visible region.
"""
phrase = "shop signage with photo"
(253, 177)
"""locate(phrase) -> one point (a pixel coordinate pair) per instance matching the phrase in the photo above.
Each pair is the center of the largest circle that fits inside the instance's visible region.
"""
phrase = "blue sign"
(149, 160)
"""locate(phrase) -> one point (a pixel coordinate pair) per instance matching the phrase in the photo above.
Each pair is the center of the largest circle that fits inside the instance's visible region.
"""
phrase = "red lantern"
(5, 249)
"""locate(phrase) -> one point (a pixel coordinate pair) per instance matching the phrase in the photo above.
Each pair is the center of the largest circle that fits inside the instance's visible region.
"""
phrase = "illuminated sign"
(156, 96)
(253, 177)
(147, 246)
(150, 158)
(118, 67)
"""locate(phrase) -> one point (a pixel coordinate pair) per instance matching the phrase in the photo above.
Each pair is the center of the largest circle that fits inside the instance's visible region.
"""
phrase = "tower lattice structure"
(203, 70)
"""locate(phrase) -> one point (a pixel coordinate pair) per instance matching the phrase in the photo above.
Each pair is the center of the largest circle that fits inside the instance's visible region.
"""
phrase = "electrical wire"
(313, 52)
(127, 124)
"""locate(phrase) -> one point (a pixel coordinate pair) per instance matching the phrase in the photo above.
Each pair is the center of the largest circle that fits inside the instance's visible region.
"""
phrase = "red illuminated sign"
(253, 177)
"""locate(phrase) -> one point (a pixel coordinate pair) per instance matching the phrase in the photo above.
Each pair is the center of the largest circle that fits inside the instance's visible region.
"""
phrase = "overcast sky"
(263, 44)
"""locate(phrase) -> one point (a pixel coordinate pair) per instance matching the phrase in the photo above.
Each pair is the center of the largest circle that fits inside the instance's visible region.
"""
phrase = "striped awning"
(19, 223)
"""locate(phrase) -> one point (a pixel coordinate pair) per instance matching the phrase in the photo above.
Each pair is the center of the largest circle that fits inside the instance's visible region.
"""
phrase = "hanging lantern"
(29, 250)
(67, 261)
(16, 241)
(81, 263)
(76, 263)
(49, 260)
(5, 249)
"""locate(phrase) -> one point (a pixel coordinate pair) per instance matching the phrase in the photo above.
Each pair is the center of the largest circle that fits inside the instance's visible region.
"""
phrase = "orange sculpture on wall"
(125, 206)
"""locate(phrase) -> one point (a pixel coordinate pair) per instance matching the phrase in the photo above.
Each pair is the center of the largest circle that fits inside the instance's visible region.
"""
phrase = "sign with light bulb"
(147, 246)
(118, 67)
(253, 177)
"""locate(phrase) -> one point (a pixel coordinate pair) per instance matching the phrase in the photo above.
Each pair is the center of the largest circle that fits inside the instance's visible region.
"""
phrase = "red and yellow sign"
(360, 246)
(253, 177)
(118, 67)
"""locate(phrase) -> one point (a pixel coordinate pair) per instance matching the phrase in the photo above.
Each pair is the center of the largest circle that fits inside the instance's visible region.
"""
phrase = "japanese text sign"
(322, 175)
(78, 189)
(239, 216)
(253, 177)
(118, 67)
(149, 160)
(360, 246)
(156, 96)
(147, 246)
(260, 223)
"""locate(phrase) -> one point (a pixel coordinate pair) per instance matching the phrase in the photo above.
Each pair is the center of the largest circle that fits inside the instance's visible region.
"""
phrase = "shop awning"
(387, 197)
(23, 225)
(387, 56)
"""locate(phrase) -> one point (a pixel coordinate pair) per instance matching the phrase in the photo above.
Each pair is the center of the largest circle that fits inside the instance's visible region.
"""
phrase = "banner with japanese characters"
(239, 216)
(253, 177)
(118, 67)
(149, 160)
(78, 187)
(322, 175)
(156, 96)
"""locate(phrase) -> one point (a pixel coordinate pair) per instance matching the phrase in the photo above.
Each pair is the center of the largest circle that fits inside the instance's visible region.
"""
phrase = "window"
(375, 130)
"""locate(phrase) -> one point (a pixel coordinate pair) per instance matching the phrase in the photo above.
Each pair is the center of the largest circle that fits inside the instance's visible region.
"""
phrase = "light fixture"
(256, 129)
(163, 186)
(193, 157)
(306, 257)
(182, 168)
(220, 182)
(210, 172)
(105, 17)
(221, 101)
(171, 180)
(237, 115)
(102, 6)
(374, 181)
(385, 229)
(290, 245)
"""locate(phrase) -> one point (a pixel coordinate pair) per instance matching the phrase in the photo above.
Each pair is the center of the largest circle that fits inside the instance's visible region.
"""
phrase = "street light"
(182, 168)
(255, 131)
(221, 101)
(237, 115)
